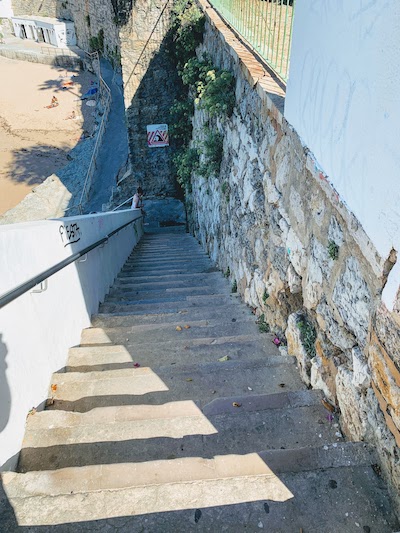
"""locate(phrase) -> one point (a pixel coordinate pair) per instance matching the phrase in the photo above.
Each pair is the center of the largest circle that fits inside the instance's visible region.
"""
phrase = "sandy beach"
(34, 140)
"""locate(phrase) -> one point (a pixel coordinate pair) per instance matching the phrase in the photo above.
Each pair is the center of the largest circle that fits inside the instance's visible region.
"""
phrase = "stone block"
(296, 348)
(321, 376)
(353, 300)
(361, 372)
(294, 280)
(352, 405)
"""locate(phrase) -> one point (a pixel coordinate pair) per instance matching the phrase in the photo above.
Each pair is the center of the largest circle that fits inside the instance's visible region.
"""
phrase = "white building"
(60, 33)
(6, 10)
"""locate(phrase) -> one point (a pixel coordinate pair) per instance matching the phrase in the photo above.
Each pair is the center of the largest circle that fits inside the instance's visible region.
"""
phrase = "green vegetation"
(263, 326)
(96, 43)
(234, 286)
(307, 336)
(180, 118)
(187, 26)
(186, 161)
(265, 296)
(213, 88)
(333, 250)
(213, 151)
(227, 273)
(210, 88)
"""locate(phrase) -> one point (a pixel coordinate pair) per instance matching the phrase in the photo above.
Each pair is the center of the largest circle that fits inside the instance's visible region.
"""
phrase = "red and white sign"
(157, 135)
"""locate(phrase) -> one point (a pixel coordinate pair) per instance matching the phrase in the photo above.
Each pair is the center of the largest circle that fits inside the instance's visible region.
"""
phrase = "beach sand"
(35, 141)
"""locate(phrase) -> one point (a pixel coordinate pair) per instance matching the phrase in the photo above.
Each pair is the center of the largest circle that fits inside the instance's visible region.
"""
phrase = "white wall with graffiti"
(343, 99)
(38, 328)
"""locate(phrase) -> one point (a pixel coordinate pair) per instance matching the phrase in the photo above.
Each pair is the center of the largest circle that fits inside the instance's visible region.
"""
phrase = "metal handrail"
(123, 203)
(15, 293)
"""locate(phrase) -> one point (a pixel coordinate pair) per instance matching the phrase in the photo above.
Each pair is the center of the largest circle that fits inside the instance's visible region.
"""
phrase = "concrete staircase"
(176, 414)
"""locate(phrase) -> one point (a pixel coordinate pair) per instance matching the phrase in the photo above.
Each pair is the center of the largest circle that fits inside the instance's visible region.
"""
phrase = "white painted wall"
(36, 330)
(6, 10)
(343, 99)
(60, 33)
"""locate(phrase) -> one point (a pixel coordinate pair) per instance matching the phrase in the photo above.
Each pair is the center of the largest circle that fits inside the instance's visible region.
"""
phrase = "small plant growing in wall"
(213, 88)
(213, 152)
(265, 296)
(96, 43)
(180, 120)
(186, 161)
(307, 336)
(187, 26)
(88, 20)
(333, 250)
(234, 286)
(227, 273)
(263, 326)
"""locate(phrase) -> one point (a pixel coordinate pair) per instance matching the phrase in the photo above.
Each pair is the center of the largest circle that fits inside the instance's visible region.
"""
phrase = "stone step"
(211, 274)
(198, 267)
(164, 257)
(225, 314)
(142, 285)
(155, 299)
(59, 439)
(167, 332)
(167, 264)
(131, 294)
(82, 391)
(143, 261)
(107, 356)
(165, 493)
(171, 304)
(195, 268)
(154, 229)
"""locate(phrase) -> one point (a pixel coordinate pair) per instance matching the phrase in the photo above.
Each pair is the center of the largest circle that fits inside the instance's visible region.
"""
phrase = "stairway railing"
(105, 99)
(123, 203)
(14, 293)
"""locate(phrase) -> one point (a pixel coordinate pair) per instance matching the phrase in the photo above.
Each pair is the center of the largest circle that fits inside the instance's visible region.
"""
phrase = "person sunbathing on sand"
(54, 103)
(71, 116)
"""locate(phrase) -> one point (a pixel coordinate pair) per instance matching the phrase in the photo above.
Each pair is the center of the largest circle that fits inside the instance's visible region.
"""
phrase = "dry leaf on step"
(178, 328)
(189, 379)
(187, 326)
(237, 404)
(54, 388)
(225, 358)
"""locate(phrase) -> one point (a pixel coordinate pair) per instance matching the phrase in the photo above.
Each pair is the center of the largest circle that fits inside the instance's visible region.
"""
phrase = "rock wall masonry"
(273, 219)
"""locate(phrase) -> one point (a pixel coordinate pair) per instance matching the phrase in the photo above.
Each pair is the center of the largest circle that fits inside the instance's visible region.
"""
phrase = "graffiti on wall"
(70, 233)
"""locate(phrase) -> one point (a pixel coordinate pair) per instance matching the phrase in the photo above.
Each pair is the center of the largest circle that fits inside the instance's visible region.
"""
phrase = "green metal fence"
(265, 24)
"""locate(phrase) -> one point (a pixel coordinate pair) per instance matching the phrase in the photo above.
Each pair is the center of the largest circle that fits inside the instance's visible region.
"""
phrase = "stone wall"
(299, 256)
(42, 8)
(150, 87)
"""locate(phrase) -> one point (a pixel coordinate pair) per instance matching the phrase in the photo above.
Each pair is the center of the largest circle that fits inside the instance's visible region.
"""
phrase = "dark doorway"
(40, 35)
